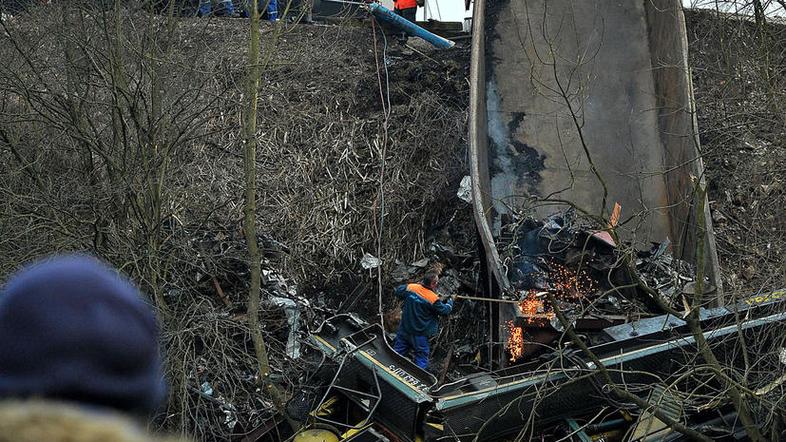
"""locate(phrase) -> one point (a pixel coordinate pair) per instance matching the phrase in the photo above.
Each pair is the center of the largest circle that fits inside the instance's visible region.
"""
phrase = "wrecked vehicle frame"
(400, 401)
(517, 155)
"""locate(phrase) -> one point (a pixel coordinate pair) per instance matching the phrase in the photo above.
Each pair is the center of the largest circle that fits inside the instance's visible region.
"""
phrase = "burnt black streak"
(494, 11)
(515, 122)
(527, 163)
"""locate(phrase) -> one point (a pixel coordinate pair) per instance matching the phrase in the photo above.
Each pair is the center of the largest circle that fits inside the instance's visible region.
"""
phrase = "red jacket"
(405, 4)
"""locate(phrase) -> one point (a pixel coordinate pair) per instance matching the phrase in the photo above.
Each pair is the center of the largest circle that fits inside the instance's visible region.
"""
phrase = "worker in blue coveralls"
(272, 9)
(419, 318)
(225, 8)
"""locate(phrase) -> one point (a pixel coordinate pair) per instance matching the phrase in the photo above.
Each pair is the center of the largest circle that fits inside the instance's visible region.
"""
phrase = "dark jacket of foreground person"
(79, 356)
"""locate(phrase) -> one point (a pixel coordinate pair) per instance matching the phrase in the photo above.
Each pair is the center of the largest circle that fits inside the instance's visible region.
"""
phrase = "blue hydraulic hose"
(386, 15)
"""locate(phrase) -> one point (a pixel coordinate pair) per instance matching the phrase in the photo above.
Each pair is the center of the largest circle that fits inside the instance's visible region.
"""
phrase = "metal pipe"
(386, 15)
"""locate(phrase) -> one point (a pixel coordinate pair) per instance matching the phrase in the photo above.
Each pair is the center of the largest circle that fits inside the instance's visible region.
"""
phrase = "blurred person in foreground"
(79, 355)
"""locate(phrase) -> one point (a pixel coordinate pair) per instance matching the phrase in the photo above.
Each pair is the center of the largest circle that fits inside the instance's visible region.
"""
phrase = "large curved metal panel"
(586, 104)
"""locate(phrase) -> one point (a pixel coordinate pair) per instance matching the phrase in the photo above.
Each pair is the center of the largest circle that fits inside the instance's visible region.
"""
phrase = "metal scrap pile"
(588, 274)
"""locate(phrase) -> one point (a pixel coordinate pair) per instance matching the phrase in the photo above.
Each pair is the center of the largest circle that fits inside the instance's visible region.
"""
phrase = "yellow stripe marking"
(325, 342)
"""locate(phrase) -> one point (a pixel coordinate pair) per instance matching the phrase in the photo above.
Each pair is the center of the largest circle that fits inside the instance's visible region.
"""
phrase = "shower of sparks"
(515, 344)
(532, 307)
(566, 284)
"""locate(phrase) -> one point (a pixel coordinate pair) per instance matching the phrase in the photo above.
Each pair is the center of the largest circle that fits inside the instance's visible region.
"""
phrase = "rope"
(384, 97)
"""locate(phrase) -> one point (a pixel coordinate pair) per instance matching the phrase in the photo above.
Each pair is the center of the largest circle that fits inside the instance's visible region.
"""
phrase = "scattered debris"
(292, 311)
(587, 274)
(370, 261)
(206, 388)
(669, 402)
(421, 263)
(465, 189)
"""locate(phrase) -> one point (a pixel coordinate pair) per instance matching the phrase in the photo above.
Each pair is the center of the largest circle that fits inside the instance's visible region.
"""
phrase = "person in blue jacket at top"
(206, 8)
(272, 9)
(419, 318)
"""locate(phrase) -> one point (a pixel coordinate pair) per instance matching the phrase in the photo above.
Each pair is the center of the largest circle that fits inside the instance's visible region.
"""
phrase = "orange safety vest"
(405, 4)
(423, 292)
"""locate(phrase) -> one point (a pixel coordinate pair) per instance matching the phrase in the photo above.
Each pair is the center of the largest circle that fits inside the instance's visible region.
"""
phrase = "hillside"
(121, 137)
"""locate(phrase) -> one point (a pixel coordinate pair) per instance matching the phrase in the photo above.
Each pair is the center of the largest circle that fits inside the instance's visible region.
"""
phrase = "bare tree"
(249, 208)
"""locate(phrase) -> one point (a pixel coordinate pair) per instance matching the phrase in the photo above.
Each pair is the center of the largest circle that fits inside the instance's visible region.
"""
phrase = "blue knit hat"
(72, 329)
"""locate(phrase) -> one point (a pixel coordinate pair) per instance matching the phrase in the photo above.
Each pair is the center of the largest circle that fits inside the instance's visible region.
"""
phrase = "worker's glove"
(448, 298)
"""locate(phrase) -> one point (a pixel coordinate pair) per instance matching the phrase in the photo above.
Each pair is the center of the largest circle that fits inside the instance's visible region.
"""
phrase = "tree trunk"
(758, 12)
(249, 209)
(732, 392)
